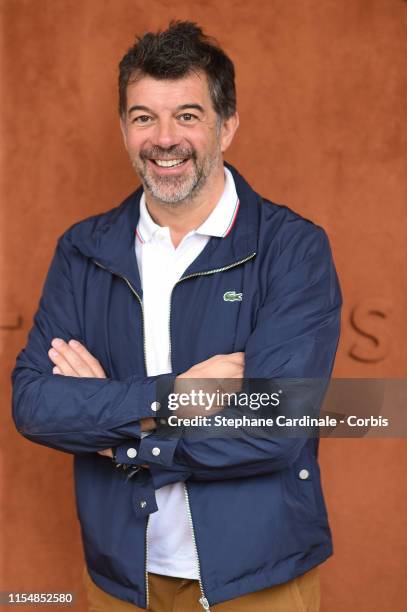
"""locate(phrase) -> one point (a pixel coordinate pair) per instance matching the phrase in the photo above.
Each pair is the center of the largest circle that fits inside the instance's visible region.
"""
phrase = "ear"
(123, 131)
(228, 129)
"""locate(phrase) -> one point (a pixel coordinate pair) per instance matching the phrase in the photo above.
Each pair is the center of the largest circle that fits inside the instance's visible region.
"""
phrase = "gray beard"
(175, 190)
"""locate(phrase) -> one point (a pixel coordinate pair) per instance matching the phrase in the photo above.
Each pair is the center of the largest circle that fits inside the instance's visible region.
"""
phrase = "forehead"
(161, 94)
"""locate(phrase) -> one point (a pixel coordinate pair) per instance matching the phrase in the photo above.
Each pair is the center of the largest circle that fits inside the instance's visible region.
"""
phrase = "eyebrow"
(140, 107)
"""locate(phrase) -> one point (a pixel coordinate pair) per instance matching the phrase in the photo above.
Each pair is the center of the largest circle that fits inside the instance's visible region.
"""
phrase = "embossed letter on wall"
(10, 321)
(366, 319)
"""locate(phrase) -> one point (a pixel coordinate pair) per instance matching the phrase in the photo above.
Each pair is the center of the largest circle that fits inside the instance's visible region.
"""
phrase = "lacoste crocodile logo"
(232, 296)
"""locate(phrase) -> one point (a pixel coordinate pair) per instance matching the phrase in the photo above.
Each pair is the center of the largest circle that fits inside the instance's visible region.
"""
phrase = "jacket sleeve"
(73, 414)
(295, 337)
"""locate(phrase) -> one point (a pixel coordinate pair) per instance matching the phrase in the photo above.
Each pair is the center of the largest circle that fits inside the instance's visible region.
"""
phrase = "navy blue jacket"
(255, 521)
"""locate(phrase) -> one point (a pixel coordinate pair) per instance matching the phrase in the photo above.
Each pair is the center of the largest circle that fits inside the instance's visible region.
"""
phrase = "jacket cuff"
(128, 453)
(154, 398)
(157, 450)
(152, 449)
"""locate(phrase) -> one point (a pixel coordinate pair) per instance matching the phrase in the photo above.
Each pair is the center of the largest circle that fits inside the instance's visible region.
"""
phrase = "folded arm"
(295, 337)
(70, 413)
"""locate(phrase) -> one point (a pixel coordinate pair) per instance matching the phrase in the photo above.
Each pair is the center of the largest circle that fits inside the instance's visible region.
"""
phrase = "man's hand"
(218, 366)
(73, 359)
(221, 373)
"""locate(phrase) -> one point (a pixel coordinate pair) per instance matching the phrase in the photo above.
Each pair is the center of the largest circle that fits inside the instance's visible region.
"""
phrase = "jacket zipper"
(139, 300)
(203, 599)
(146, 563)
(145, 366)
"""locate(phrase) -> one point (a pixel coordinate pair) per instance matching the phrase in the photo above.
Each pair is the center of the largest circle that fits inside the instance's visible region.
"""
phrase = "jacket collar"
(108, 239)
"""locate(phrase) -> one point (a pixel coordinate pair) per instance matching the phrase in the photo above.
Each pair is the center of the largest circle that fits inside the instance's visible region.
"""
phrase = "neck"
(185, 216)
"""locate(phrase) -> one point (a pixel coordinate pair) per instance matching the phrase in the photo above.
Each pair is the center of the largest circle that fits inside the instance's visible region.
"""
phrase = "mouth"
(168, 166)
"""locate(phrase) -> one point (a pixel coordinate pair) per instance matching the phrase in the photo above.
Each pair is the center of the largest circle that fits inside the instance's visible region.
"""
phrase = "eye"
(187, 117)
(141, 119)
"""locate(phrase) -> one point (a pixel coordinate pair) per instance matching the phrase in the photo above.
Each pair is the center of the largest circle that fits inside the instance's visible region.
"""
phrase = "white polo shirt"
(170, 545)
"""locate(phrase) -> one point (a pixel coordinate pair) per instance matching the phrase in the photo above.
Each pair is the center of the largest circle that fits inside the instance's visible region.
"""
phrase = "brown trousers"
(169, 594)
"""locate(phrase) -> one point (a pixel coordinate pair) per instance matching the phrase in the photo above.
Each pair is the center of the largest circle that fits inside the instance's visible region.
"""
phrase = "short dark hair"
(174, 53)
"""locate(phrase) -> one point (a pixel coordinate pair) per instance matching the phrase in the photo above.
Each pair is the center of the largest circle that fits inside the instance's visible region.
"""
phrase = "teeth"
(168, 163)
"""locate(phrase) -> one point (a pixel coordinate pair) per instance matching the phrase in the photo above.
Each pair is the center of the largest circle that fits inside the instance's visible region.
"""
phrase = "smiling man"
(193, 276)
(189, 169)
(175, 139)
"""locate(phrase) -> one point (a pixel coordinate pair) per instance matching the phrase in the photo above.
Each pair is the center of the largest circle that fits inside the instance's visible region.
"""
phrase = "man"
(194, 276)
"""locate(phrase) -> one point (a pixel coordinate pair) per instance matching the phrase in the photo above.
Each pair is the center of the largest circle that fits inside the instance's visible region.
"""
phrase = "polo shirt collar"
(219, 223)
(146, 227)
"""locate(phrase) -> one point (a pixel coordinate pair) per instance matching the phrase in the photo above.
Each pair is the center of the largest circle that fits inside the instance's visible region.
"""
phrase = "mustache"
(166, 154)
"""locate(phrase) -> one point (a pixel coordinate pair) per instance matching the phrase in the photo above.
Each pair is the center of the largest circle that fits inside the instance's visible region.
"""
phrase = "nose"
(166, 134)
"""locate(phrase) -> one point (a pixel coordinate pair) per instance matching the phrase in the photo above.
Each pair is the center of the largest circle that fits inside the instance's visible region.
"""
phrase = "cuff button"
(156, 451)
(155, 406)
(131, 453)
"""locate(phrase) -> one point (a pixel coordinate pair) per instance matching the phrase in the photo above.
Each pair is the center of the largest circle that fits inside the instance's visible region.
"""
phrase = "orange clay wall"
(322, 101)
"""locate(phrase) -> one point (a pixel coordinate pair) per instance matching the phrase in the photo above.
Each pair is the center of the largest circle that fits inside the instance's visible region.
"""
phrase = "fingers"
(228, 366)
(106, 453)
(61, 363)
(147, 424)
(237, 361)
(88, 358)
(68, 360)
(73, 359)
(231, 358)
(218, 366)
(237, 357)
